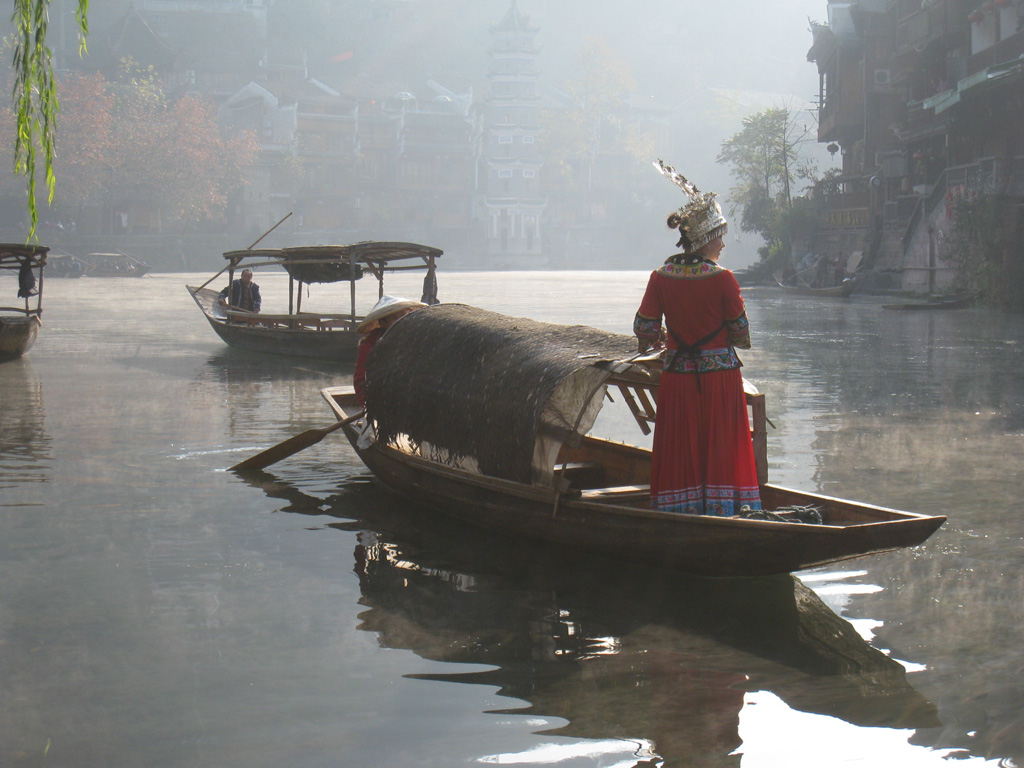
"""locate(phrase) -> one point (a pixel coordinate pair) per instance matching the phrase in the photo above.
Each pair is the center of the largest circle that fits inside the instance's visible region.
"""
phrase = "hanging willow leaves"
(35, 95)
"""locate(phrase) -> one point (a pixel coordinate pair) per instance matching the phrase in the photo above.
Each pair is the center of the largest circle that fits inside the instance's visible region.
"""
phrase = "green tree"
(35, 95)
(986, 247)
(764, 159)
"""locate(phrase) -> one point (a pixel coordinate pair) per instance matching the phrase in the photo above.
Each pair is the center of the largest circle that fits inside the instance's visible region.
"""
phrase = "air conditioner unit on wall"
(882, 77)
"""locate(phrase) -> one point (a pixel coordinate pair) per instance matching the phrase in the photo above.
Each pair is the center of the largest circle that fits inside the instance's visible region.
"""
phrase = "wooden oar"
(291, 446)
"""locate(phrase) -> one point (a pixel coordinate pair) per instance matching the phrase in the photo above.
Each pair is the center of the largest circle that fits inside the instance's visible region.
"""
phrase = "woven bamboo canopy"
(473, 383)
(14, 255)
(337, 263)
(321, 264)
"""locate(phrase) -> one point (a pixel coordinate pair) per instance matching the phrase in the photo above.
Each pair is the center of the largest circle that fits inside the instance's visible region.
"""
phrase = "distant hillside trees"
(170, 154)
(595, 150)
(84, 137)
(130, 157)
(597, 99)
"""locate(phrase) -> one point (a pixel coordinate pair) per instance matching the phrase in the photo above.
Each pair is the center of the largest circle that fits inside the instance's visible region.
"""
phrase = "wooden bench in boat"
(303, 321)
(619, 494)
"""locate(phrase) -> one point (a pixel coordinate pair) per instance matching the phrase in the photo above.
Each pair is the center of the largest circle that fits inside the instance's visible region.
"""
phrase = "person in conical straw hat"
(385, 313)
(702, 458)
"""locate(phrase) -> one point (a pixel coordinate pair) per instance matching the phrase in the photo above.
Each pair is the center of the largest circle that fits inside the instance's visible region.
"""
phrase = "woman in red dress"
(385, 313)
(702, 457)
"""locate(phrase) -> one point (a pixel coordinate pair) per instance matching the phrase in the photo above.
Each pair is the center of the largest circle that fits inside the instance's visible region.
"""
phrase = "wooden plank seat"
(300, 321)
(619, 494)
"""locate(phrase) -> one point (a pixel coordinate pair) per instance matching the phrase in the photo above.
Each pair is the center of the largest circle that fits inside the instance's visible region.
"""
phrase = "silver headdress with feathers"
(699, 221)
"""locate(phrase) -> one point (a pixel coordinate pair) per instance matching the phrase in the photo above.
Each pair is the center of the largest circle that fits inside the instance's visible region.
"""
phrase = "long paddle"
(291, 446)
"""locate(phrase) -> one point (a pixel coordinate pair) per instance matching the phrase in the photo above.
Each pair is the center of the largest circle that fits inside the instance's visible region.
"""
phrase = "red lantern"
(987, 7)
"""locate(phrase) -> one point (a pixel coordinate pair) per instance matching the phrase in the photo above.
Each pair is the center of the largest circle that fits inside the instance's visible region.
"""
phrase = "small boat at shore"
(842, 290)
(114, 265)
(949, 301)
(489, 419)
(325, 336)
(19, 325)
(61, 264)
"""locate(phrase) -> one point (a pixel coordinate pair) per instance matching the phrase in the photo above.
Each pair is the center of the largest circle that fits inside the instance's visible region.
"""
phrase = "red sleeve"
(650, 307)
(733, 302)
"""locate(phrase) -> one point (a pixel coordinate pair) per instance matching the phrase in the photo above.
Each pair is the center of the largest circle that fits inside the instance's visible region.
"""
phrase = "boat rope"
(797, 514)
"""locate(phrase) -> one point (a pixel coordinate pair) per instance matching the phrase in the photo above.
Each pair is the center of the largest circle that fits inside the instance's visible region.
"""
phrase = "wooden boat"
(843, 290)
(500, 435)
(950, 301)
(801, 283)
(312, 334)
(19, 325)
(114, 265)
(65, 265)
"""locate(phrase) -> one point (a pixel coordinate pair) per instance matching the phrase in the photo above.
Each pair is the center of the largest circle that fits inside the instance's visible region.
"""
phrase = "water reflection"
(618, 651)
(25, 446)
(152, 609)
(244, 387)
(234, 366)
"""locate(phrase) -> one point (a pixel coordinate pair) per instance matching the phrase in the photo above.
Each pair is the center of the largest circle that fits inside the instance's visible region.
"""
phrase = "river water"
(158, 610)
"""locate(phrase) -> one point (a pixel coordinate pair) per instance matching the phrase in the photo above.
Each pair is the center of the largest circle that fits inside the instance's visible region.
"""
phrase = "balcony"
(921, 27)
(1005, 51)
(1000, 175)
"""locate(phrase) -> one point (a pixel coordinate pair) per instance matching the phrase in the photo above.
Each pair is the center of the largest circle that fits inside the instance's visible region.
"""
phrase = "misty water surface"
(160, 611)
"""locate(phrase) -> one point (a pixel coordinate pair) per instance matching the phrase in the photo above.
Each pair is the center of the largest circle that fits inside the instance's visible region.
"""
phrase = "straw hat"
(387, 305)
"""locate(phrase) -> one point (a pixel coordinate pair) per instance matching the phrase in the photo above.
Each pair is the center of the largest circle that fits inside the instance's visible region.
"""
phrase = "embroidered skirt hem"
(702, 457)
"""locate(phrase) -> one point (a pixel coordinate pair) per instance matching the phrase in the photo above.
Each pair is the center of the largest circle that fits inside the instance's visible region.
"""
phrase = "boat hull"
(843, 290)
(17, 335)
(135, 272)
(702, 545)
(618, 521)
(957, 301)
(322, 345)
(326, 344)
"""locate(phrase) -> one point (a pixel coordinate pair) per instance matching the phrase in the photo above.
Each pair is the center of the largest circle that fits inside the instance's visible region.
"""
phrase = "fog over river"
(158, 610)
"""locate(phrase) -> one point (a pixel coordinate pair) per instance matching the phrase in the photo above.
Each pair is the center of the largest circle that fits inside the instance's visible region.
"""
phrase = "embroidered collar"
(700, 270)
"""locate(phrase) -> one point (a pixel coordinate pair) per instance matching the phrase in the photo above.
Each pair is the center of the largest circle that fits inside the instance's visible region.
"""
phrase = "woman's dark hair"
(675, 221)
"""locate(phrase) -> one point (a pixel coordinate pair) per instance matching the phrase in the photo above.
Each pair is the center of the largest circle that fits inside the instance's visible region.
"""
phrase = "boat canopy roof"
(504, 392)
(14, 255)
(336, 263)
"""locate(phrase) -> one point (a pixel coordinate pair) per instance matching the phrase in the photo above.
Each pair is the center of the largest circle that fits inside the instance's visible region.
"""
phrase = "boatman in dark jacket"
(245, 294)
(26, 280)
